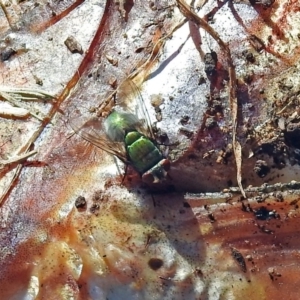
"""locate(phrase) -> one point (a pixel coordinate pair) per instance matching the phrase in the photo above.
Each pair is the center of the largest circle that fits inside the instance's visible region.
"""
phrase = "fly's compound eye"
(165, 163)
(148, 178)
(158, 173)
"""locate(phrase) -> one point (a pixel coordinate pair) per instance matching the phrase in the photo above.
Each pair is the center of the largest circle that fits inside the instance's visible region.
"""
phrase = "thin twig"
(16, 159)
(27, 93)
(13, 95)
(13, 101)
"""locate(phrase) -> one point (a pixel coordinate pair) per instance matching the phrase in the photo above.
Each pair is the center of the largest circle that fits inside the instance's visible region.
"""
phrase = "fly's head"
(158, 173)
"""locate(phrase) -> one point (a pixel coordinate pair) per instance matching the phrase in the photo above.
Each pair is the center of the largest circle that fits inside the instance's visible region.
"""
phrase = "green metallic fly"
(128, 136)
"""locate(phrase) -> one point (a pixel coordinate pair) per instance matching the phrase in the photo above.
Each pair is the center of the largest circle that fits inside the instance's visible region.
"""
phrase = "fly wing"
(92, 132)
(128, 93)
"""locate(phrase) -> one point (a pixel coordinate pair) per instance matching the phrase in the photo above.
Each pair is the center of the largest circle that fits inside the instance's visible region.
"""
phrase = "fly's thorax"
(118, 123)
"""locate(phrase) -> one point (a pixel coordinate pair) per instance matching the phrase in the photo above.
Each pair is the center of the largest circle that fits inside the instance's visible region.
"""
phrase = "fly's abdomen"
(142, 152)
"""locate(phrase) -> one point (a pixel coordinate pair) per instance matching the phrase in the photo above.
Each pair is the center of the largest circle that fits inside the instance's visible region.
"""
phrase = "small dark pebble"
(264, 214)
(80, 203)
(73, 45)
(94, 208)
(249, 56)
(7, 53)
(238, 257)
(211, 217)
(155, 263)
(184, 120)
(210, 63)
(261, 168)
